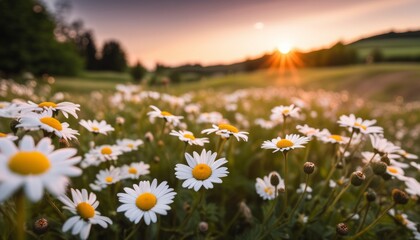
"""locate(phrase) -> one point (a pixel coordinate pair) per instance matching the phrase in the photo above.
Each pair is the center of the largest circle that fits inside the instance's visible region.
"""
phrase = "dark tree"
(138, 72)
(28, 43)
(87, 49)
(113, 57)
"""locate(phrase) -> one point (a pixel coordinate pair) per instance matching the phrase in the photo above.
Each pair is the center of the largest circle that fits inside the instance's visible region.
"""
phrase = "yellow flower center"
(392, 170)
(95, 129)
(337, 138)
(2, 105)
(201, 171)
(109, 179)
(286, 111)
(2, 135)
(47, 104)
(268, 190)
(165, 113)
(132, 170)
(189, 136)
(29, 163)
(130, 145)
(360, 126)
(85, 210)
(284, 143)
(52, 122)
(146, 201)
(228, 127)
(106, 151)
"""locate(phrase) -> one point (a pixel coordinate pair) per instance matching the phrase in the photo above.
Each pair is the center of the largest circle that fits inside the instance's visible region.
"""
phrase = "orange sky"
(208, 32)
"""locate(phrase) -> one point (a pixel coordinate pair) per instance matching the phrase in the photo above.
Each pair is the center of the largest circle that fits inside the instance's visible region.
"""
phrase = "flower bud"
(274, 178)
(386, 176)
(203, 227)
(357, 178)
(400, 197)
(370, 195)
(41, 226)
(385, 159)
(379, 167)
(149, 137)
(309, 167)
(342, 229)
(120, 120)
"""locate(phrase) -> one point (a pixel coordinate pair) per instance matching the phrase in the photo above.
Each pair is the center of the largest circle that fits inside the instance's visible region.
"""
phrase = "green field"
(404, 47)
(383, 82)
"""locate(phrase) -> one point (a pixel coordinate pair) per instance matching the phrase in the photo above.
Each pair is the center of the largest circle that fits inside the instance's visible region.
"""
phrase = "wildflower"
(167, 116)
(9, 136)
(106, 177)
(307, 131)
(45, 121)
(291, 141)
(188, 137)
(326, 137)
(83, 206)
(266, 189)
(210, 117)
(281, 112)
(64, 107)
(412, 186)
(134, 170)
(227, 130)
(128, 145)
(106, 152)
(40, 226)
(359, 125)
(96, 127)
(35, 167)
(309, 167)
(407, 155)
(384, 147)
(145, 200)
(202, 170)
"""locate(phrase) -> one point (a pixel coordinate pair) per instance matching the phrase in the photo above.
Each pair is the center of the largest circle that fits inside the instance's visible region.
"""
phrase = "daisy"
(202, 170)
(307, 131)
(301, 189)
(145, 200)
(396, 172)
(265, 189)
(291, 141)
(326, 137)
(210, 117)
(96, 127)
(384, 147)
(83, 206)
(415, 165)
(406, 155)
(188, 137)
(227, 130)
(45, 121)
(9, 110)
(9, 136)
(64, 107)
(282, 112)
(412, 186)
(134, 170)
(106, 177)
(128, 145)
(167, 116)
(106, 152)
(359, 125)
(35, 167)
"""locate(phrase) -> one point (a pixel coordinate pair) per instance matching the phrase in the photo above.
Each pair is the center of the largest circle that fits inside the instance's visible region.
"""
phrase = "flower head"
(128, 145)
(83, 207)
(290, 142)
(280, 112)
(226, 130)
(188, 137)
(134, 170)
(359, 125)
(167, 116)
(145, 200)
(106, 177)
(64, 107)
(202, 170)
(96, 127)
(35, 167)
(265, 189)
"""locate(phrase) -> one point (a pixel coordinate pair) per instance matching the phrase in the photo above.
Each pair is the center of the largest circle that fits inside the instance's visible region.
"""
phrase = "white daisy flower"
(35, 167)
(415, 165)
(265, 189)
(384, 147)
(128, 145)
(106, 152)
(399, 164)
(326, 137)
(407, 155)
(64, 107)
(302, 188)
(227, 130)
(210, 117)
(281, 112)
(9, 136)
(106, 177)
(412, 186)
(264, 123)
(97, 127)
(134, 170)
(307, 131)
(291, 141)
(83, 206)
(202, 170)
(45, 121)
(167, 116)
(145, 200)
(359, 125)
(9, 110)
(188, 137)
(370, 156)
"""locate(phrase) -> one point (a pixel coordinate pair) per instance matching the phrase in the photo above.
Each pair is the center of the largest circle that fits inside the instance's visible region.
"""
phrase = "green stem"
(338, 197)
(362, 193)
(56, 209)
(132, 232)
(272, 207)
(21, 215)
(300, 199)
(373, 223)
(197, 203)
(222, 142)
(364, 217)
(354, 213)
(285, 178)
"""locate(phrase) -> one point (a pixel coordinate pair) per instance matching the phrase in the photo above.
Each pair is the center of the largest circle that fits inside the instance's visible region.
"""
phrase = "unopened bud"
(120, 120)
(400, 197)
(41, 226)
(186, 207)
(203, 227)
(385, 159)
(274, 178)
(160, 143)
(342, 229)
(370, 195)
(357, 178)
(386, 176)
(309, 167)
(379, 167)
(156, 159)
(149, 137)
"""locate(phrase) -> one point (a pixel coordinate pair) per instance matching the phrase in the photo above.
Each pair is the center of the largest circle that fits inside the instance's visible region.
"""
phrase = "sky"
(175, 32)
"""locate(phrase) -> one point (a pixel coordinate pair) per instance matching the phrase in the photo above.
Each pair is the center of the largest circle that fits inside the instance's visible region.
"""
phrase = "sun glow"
(284, 47)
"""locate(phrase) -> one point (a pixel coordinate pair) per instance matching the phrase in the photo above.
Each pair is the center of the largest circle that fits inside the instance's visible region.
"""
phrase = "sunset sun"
(284, 47)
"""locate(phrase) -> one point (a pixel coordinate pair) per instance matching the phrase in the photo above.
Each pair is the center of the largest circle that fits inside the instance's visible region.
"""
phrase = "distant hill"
(391, 35)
